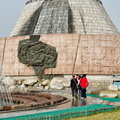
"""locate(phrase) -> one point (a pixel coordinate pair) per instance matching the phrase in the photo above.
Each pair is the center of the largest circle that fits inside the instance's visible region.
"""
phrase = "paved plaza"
(69, 104)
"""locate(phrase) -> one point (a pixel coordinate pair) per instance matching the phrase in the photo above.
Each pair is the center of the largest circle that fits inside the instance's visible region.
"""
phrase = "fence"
(66, 113)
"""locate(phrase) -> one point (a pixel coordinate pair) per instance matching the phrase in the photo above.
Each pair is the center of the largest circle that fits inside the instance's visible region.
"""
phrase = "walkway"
(70, 104)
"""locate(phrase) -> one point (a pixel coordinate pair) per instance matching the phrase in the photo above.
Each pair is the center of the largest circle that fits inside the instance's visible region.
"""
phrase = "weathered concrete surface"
(90, 54)
(23, 22)
(64, 16)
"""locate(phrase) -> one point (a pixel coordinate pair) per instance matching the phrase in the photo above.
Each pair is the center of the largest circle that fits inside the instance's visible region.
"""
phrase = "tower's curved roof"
(64, 16)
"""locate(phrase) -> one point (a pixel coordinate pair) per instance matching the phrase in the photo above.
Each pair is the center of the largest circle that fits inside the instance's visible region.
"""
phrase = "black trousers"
(83, 92)
(74, 91)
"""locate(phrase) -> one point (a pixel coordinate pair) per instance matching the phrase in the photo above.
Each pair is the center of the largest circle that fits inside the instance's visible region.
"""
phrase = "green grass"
(112, 115)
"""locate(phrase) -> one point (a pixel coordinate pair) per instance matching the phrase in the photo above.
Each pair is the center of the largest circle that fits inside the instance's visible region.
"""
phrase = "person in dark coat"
(73, 85)
(78, 77)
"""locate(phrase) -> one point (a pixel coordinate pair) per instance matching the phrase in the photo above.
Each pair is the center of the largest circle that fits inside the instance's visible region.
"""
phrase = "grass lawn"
(112, 115)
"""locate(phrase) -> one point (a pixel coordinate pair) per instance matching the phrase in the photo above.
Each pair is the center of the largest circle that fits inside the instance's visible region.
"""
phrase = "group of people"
(78, 86)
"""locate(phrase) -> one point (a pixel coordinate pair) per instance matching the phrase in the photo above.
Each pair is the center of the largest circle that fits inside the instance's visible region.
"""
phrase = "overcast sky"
(10, 11)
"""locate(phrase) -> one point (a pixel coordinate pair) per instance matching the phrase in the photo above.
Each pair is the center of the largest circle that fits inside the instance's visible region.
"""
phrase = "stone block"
(113, 87)
(108, 95)
(16, 107)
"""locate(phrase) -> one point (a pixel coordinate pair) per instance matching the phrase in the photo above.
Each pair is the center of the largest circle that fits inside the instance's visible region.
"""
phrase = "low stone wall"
(99, 81)
(58, 82)
(99, 84)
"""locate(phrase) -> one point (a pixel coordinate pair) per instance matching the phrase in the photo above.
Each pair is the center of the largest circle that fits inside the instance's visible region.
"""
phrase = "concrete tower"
(64, 16)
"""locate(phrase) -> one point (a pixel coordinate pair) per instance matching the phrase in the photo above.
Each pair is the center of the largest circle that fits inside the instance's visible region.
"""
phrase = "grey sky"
(10, 11)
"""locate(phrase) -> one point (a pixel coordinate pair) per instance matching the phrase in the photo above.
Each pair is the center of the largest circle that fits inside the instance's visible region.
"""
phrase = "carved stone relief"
(37, 54)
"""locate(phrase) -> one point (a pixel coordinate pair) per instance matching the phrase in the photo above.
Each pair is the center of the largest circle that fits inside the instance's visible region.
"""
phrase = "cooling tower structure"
(64, 16)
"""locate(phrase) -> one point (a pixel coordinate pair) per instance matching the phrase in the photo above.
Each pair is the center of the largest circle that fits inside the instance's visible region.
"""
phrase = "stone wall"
(96, 82)
(9, 62)
(58, 82)
(100, 84)
(99, 81)
(90, 54)
(77, 54)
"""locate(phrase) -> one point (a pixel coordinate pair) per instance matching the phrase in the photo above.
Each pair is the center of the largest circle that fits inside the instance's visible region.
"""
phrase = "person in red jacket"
(84, 84)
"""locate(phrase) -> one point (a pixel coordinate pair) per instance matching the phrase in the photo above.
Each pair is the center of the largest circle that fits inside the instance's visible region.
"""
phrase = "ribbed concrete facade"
(24, 20)
(64, 16)
(89, 17)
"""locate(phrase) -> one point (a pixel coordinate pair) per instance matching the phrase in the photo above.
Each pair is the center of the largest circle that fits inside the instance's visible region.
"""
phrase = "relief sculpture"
(33, 52)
